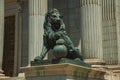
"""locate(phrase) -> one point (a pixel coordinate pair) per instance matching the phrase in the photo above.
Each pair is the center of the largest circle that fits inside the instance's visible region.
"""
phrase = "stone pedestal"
(62, 72)
(97, 64)
(113, 73)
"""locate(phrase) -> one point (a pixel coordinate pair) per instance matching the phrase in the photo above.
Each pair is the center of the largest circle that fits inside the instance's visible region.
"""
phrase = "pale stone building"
(93, 25)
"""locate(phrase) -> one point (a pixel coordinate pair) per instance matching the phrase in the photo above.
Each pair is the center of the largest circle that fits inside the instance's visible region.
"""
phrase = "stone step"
(1, 71)
(12, 78)
(2, 75)
(3, 78)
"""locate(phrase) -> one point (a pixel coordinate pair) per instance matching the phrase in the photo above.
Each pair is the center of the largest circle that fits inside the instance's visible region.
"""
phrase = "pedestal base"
(76, 61)
(62, 72)
(113, 72)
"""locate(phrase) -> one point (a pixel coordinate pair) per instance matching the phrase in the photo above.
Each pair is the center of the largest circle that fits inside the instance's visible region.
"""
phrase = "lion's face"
(55, 19)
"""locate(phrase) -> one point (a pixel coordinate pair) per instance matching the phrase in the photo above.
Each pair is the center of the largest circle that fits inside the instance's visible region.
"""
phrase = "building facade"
(93, 25)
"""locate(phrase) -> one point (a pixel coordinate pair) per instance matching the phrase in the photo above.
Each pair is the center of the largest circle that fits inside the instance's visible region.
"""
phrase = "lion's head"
(54, 18)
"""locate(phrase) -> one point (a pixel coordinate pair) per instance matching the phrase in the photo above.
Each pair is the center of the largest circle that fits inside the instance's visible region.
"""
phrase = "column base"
(62, 72)
(96, 64)
(95, 61)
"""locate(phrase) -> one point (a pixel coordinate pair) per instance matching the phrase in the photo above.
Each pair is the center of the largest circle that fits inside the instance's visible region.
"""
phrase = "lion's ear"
(48, 14)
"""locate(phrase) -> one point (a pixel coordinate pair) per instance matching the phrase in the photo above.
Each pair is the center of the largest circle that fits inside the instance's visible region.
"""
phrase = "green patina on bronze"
(60, 50)
(56, 38)
(54, 33)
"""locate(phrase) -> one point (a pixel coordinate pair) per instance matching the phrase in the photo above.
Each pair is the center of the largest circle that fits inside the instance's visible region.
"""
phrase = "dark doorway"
(9, 45)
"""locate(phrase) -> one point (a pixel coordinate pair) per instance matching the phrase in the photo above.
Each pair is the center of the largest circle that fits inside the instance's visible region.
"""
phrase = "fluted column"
(1, 32)
(37, 10)
(117, 8)
(91, 19)
(110, 17)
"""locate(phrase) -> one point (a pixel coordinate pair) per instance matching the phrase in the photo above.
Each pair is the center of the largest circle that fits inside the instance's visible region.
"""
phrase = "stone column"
(37, 10)
(110, 25)
(91, 19)
(117, 17)
(1, 32)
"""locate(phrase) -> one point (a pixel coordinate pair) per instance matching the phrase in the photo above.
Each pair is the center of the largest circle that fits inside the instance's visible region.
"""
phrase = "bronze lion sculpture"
(54, 29)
